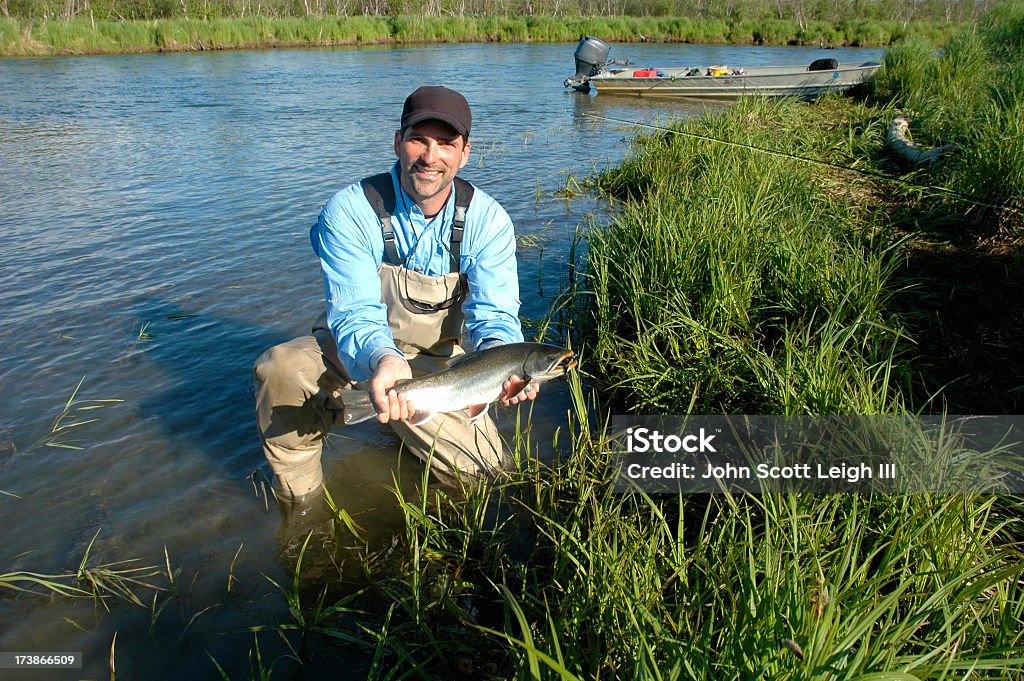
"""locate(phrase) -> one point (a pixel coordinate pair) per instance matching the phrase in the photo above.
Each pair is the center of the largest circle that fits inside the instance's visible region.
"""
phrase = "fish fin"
(516, 388)
(420, 417)
(477, 411)
(358, 408)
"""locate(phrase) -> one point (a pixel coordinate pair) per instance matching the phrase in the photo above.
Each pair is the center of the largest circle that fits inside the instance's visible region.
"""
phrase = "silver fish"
(472, 382)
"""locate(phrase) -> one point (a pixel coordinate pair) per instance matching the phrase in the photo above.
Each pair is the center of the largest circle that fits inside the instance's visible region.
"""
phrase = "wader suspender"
(380, 192)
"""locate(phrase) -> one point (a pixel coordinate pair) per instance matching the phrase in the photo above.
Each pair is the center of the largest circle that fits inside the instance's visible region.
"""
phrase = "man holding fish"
(410, 258)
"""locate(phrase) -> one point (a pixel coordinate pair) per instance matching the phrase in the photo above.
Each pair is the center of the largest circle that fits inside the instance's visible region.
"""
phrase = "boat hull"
(767, 81)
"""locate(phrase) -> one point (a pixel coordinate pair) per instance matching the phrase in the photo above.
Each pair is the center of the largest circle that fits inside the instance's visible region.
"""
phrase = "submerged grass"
(101, 581)
(73, 416)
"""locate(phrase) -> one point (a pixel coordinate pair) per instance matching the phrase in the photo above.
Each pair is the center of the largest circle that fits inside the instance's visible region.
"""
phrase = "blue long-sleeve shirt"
(348, 240)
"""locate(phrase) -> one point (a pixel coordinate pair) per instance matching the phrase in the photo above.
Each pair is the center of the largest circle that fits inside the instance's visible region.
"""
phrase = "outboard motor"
(591, 54)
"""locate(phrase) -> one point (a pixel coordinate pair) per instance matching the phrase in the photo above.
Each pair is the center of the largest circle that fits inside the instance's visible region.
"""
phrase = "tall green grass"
(734, 280)
(82, 37)
(736, 277)
(551, 575)
(970, 94)
(85, 36)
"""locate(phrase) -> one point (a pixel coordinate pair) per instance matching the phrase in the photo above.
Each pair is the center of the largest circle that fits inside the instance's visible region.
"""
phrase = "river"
(154, 212)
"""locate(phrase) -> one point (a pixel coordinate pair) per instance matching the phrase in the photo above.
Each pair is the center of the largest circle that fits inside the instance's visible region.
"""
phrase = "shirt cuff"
(490, 343)
(379, 354)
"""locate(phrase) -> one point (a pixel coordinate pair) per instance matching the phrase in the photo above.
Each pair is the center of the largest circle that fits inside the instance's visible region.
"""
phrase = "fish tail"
(358, 408)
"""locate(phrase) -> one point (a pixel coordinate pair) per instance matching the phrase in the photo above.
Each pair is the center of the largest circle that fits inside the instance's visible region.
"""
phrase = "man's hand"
(513, 392)
(388, 403)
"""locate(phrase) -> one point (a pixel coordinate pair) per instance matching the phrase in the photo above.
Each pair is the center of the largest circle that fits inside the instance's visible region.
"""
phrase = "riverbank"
(27, 37)
(829, 290)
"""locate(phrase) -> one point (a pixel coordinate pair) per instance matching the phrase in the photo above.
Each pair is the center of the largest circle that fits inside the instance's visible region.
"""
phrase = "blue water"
(153, 241)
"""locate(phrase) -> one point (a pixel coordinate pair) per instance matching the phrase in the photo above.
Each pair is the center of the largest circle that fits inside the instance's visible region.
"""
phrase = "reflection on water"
(153, 232)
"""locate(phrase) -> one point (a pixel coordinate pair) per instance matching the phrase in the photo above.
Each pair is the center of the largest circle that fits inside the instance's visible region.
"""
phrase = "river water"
(153, 241)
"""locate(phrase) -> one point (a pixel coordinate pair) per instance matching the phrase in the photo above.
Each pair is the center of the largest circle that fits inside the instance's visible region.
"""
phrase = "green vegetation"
(766, 286)
(22, 37)
(874, 10)
(971, 95)
(73, 416)
(778, 286)
(42, 27)
(626, 587)
(551, 575)
(93, 579)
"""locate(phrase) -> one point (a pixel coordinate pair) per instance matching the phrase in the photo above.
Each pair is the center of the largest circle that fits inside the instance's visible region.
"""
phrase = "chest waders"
(426, 320)
(424, 312)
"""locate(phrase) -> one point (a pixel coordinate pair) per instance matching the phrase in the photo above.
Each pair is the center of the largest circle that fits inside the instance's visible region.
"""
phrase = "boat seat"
(823, 65)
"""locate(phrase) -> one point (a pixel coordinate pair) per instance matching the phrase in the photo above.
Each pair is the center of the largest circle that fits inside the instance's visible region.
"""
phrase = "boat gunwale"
(674, 74)
(767, 81)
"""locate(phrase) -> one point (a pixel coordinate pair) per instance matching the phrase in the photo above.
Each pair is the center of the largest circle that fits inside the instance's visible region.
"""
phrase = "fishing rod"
(785, 154)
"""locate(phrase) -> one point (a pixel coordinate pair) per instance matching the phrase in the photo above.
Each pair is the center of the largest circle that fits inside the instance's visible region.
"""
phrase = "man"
(407, 267)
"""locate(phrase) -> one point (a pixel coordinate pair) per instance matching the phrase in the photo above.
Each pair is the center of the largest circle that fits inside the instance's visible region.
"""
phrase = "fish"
(473, 381)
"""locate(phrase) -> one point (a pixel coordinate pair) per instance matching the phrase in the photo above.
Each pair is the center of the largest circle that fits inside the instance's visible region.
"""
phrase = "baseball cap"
(434, 102)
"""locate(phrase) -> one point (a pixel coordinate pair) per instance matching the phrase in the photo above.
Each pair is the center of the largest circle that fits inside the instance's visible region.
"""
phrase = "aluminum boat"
(712, 82)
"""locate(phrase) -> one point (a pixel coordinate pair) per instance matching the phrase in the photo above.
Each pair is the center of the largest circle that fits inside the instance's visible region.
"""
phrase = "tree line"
(954, 11)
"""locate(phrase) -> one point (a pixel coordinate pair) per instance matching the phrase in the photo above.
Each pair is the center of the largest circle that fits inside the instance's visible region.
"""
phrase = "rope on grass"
(785, 154)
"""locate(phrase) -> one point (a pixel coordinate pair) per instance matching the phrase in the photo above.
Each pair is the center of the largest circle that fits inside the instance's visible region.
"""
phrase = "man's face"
(430, 153)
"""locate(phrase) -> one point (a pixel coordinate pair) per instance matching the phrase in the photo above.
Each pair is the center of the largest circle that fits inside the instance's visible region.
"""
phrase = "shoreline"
(81, 36)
